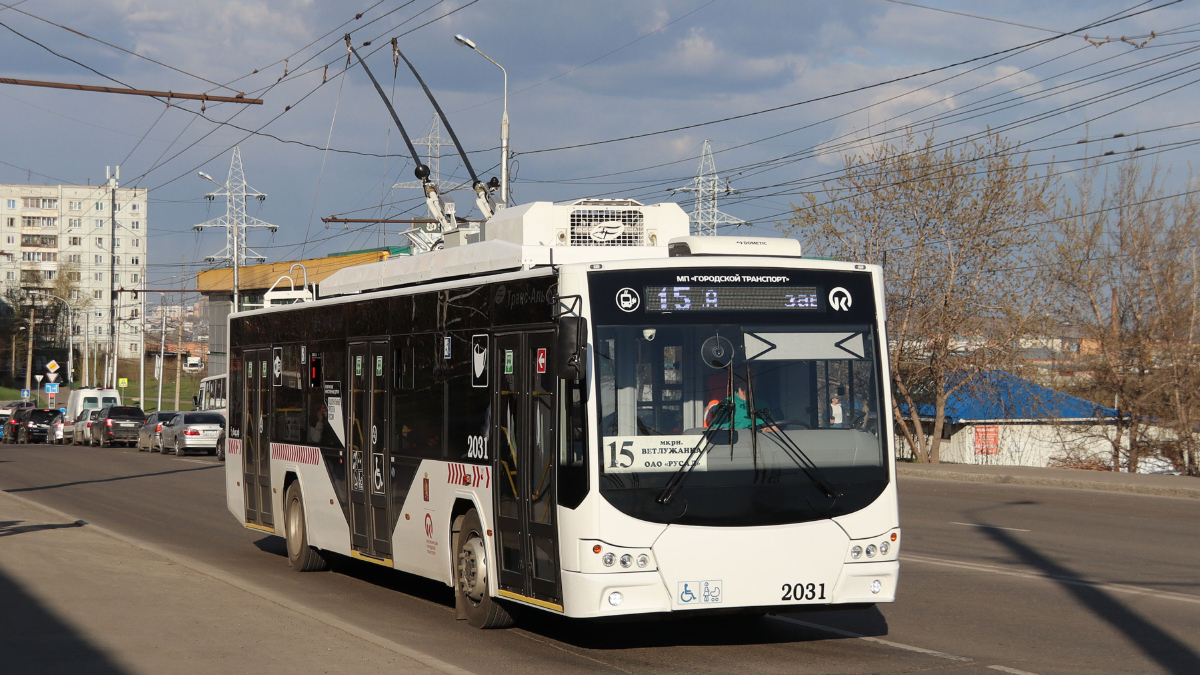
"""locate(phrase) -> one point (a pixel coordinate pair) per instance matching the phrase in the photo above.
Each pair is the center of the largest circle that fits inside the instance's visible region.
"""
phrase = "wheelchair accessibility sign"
(699, 592)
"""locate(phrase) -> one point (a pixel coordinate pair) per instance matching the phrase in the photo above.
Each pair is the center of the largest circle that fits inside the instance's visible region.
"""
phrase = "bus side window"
(419, 410)
(572, 445)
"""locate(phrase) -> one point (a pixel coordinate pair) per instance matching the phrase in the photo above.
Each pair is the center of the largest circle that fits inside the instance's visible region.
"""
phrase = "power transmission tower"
(707, 185)
(235, 221)
(433, 143)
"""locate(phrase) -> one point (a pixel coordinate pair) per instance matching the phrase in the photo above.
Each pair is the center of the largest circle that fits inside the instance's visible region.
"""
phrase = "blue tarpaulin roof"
(998, 395)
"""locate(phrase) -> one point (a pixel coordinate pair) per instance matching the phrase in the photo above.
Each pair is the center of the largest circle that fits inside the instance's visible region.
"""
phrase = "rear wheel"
(472, 586)
(301, 556)
(178, 449)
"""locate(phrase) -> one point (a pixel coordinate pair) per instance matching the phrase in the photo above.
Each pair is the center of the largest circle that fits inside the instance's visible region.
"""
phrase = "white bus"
(580, 409)
(212, 398)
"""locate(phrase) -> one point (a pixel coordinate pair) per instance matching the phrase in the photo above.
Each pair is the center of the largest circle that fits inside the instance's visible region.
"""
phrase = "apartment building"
(63, 237)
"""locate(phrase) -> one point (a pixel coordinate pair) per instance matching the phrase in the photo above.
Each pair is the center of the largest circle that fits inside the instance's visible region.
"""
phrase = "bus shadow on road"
(670, 630)
(35, 640)
(376, 575)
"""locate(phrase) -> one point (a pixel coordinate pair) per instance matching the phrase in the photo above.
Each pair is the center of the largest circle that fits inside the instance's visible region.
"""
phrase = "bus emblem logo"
(608, 230)
(628, 300)
(839, 299)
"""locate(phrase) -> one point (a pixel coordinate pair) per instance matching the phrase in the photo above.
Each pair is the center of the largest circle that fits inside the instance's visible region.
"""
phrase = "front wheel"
(301, 556)
(472, 588)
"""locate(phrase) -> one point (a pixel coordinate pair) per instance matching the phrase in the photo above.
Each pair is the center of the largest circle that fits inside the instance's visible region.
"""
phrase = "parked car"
(13, 424)
(192, 431)
(35, 425)
(117, 424)
(82, 433)
(151, 432)
(57, 427)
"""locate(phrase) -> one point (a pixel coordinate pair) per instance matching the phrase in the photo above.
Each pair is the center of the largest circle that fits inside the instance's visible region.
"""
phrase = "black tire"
(472, 587)
(179, 451)
(103, 443)
(162, 447)
(301, 556)
(221, 450)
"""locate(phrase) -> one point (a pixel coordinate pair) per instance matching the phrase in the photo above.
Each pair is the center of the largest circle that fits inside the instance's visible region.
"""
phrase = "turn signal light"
(596, 548)
(158, 428)
(893, 536)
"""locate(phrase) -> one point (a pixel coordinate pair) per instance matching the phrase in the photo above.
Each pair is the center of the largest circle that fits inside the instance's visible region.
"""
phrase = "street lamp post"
(235, 245)
(503, 121)
(70, 334)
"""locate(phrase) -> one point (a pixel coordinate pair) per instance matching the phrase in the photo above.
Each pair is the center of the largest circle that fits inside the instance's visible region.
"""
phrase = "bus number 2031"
(801, 592)
(477, 447)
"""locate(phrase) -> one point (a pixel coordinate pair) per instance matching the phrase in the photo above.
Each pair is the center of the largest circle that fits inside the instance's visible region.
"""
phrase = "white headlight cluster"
(871, 550)
(622, 560)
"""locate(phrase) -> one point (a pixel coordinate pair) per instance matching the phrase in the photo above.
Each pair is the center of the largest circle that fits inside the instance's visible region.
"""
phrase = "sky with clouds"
(842, 75)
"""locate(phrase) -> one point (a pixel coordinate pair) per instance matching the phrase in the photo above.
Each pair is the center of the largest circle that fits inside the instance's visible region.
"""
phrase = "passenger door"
(256, 466)
(526, 468)
(370, 459)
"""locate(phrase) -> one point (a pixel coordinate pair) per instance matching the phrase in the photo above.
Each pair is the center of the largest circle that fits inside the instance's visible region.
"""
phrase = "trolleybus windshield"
(794, 378)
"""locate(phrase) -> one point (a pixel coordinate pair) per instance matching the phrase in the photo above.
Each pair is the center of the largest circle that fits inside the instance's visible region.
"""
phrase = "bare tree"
(1123, 265)
(950, 223)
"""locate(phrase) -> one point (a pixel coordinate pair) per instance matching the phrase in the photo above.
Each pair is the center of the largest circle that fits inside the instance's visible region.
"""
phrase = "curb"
(907, 471)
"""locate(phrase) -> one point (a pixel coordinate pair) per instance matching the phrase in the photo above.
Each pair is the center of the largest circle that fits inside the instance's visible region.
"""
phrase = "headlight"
(876, 586)
(884, 547)
(609, 559)
(870, 550)
(615, 598)
(643, 560)
(856, 552)
(626, 561)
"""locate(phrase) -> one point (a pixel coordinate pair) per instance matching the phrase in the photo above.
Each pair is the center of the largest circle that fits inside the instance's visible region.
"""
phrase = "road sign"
(38, 378)
(24, 393)
(123, 382)
(50, 377)
(51, 388)
(52, 366)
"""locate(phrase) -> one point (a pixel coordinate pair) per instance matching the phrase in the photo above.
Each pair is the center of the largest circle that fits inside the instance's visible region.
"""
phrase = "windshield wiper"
(724, 410)
(798, 456)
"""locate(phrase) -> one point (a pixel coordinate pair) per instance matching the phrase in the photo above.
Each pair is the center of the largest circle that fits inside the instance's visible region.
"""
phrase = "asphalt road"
(994, 578)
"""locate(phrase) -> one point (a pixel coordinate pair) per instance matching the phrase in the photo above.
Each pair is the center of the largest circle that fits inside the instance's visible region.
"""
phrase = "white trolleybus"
(579, 408)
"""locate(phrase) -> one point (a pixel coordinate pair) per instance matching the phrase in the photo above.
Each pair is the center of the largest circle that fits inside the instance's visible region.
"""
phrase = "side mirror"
(572, 348)
(196, 401)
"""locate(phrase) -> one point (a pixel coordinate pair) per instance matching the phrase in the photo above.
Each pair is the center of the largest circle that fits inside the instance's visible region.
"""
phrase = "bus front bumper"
(591, 595)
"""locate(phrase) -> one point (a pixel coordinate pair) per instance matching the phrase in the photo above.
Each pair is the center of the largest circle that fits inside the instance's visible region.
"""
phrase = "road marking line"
(1100, 585)
(886, 643)
(250, 587)
(1011, 671)
(990, 527)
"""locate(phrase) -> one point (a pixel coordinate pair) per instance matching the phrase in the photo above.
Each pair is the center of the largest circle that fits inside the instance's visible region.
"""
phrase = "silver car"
(192, 431)
(150, 435)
